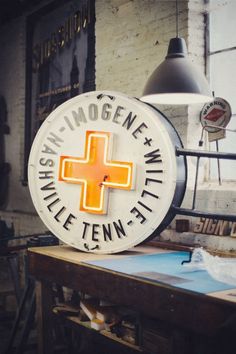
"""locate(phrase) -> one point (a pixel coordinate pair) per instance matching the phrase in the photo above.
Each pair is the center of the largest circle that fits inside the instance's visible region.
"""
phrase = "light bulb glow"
(96, 172)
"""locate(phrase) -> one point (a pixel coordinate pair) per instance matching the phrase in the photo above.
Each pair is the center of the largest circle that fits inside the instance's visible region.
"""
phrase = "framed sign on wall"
(60, 60)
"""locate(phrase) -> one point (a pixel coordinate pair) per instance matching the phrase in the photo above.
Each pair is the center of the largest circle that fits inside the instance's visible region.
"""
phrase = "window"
(222, 73)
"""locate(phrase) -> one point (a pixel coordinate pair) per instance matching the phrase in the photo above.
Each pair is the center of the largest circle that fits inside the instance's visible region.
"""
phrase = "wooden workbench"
(206, 317)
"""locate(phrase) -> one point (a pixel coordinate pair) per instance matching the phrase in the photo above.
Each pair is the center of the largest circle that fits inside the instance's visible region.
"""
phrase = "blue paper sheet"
(165, 268)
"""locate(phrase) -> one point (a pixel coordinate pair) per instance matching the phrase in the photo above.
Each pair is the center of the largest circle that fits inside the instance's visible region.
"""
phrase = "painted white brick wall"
(131, 40)
(211, 196)
(127, 53)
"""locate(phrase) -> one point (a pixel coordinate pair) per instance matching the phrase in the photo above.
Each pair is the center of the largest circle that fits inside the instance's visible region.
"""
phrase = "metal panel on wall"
(60, 60)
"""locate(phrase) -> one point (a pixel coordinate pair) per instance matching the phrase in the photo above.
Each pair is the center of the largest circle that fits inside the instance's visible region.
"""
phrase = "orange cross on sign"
(95, 172)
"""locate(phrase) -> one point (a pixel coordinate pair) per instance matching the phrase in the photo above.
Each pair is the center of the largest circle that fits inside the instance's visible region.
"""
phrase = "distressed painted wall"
(131, 40)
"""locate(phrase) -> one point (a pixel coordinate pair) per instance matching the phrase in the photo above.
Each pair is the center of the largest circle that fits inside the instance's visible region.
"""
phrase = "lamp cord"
(177, 18)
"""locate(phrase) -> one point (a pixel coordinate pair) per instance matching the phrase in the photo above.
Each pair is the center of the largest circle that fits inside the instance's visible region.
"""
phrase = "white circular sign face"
(215, 114)
(103, 174)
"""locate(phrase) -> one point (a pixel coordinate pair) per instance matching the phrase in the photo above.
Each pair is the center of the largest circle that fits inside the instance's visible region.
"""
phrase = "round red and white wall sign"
(215, 115)
(103, 173)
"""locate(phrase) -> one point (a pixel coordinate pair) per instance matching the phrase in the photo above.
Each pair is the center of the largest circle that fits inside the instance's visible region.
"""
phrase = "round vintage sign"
(215, 114)
(103, 173)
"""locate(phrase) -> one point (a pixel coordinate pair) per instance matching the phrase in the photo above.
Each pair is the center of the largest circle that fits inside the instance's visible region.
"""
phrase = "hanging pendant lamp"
(176, 80)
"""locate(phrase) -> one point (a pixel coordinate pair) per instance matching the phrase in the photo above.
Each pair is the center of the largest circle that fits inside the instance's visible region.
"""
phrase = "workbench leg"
(44, 303)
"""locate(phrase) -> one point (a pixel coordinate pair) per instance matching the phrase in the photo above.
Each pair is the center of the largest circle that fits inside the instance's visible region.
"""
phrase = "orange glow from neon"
(95, 172)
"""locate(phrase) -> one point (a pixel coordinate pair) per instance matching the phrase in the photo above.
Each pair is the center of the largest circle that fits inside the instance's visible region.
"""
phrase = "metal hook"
(189, 260)
(99, 97)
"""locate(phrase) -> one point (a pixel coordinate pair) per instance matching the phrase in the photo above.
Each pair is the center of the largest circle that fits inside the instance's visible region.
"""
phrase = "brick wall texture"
(131, 40)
